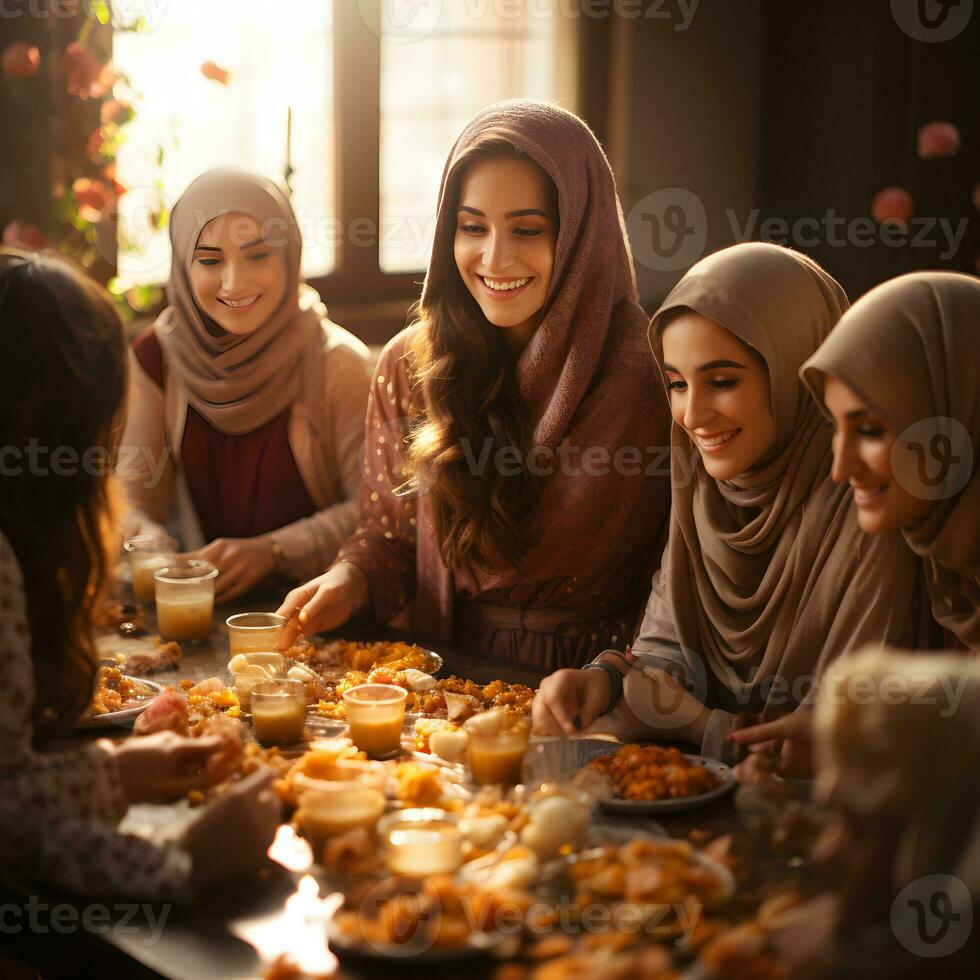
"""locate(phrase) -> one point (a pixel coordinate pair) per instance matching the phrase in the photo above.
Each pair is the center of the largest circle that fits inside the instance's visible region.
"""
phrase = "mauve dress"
(544, 618)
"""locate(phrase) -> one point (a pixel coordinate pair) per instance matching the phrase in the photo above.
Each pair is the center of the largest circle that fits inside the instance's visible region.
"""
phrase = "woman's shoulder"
(339, 344)
(394, 362)
(149, 354)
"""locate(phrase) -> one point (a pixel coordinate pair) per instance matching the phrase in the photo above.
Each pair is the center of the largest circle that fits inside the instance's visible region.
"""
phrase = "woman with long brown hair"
(513, 482)
(62, 386)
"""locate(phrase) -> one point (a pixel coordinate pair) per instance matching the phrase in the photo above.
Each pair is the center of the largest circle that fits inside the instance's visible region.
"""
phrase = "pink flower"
(938, 139)
(24, 235)
(20, 60)
(92, 197)
(85, 76)
(215, 72)
(892, 204)
(114, 111)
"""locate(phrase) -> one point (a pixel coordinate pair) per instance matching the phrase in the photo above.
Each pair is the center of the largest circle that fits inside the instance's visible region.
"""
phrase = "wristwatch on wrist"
(615, 680)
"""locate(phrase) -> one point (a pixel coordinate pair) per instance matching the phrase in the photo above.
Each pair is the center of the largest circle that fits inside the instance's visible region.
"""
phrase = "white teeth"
(718, 440)
(503, 285)
(239, 303)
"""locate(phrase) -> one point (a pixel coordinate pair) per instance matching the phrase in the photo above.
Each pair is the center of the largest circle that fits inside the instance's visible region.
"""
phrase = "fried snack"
(418, 785)
(653, 772)
(430, 913)
(113, 691)
(210, 697)
(470, 698)
(366, 656)
(649, 872)
(426, 727)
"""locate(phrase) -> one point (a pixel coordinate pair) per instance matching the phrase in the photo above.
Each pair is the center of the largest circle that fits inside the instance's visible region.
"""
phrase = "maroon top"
(241, 485)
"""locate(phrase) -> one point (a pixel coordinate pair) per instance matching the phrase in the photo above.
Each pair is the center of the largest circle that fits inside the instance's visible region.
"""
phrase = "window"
(378, 89)
(187, 123)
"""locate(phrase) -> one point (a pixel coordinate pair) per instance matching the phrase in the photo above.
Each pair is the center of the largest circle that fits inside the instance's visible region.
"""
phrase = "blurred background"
(847, 130)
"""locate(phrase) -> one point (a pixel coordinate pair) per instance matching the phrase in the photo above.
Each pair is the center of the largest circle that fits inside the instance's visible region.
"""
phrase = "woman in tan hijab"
(246, 403)
(767, 576)
(511, 459)
(899, 378)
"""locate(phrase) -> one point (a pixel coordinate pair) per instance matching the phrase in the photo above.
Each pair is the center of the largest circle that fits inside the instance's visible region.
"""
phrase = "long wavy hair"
(62, 382)
(466, 395)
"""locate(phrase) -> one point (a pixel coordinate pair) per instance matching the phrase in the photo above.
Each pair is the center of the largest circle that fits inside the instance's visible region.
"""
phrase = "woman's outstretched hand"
(324, 603)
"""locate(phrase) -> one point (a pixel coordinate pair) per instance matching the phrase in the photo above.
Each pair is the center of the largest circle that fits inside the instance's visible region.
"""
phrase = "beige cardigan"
(326, 449)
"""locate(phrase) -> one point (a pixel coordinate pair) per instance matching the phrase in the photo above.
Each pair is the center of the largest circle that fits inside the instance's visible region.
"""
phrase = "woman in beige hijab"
(899, 378)
(246, 403)
(767, 576)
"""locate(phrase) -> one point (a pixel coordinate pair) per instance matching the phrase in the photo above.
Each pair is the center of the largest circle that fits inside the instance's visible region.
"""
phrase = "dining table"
(226, 931)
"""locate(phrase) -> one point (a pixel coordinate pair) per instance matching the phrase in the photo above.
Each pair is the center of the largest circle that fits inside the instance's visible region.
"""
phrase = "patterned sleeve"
(383, 546)
(58, 811)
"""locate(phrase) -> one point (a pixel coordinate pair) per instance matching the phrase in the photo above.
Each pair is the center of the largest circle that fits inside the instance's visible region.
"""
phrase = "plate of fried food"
(650, 779)
(118, 699)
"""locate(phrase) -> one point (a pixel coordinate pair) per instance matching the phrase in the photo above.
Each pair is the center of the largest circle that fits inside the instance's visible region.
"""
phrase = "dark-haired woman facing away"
(62, 385)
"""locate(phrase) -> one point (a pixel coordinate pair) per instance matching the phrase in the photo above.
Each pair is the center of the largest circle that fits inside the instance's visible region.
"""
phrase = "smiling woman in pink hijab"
(246, 403)
(511, 452)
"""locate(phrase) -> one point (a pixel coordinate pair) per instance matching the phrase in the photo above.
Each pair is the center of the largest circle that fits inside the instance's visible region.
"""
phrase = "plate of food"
(118, 699)
(345, 655)
(421, 920)
(651, 779)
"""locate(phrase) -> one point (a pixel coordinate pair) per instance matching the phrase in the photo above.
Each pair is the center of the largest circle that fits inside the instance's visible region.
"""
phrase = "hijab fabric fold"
(754, 565)
(909, 350)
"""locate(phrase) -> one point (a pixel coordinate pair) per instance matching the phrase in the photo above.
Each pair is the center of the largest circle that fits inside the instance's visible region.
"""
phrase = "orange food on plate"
(654, 772)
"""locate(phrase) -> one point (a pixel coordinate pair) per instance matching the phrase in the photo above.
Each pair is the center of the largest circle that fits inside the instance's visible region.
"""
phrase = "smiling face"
(238, 279)
(505, 242)
(864, 455)
(719, 394)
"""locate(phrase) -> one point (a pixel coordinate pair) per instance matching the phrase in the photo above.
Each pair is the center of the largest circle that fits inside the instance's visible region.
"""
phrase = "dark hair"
(62, 382)
(466, 392)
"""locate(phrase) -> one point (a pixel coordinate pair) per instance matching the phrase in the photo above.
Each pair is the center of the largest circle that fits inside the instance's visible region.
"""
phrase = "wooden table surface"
(196, 942)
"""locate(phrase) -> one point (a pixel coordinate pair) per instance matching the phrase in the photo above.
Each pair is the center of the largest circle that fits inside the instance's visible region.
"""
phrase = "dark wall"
(781, 111)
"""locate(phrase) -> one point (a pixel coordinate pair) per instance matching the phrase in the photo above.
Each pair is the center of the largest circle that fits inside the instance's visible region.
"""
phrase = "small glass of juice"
(423, 841)
(376, 714)
(185, 599)
(148, 553)
(279, 711)
(254, 632)
(497, 747)
(332, 811)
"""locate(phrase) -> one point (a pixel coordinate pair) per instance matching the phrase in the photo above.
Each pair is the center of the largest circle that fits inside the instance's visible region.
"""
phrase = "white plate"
(552, 760)
(125, 717)
(716, 768)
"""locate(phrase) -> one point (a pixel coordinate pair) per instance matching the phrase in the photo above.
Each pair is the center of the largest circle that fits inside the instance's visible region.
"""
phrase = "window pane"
(277, 57)
(432, 83)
